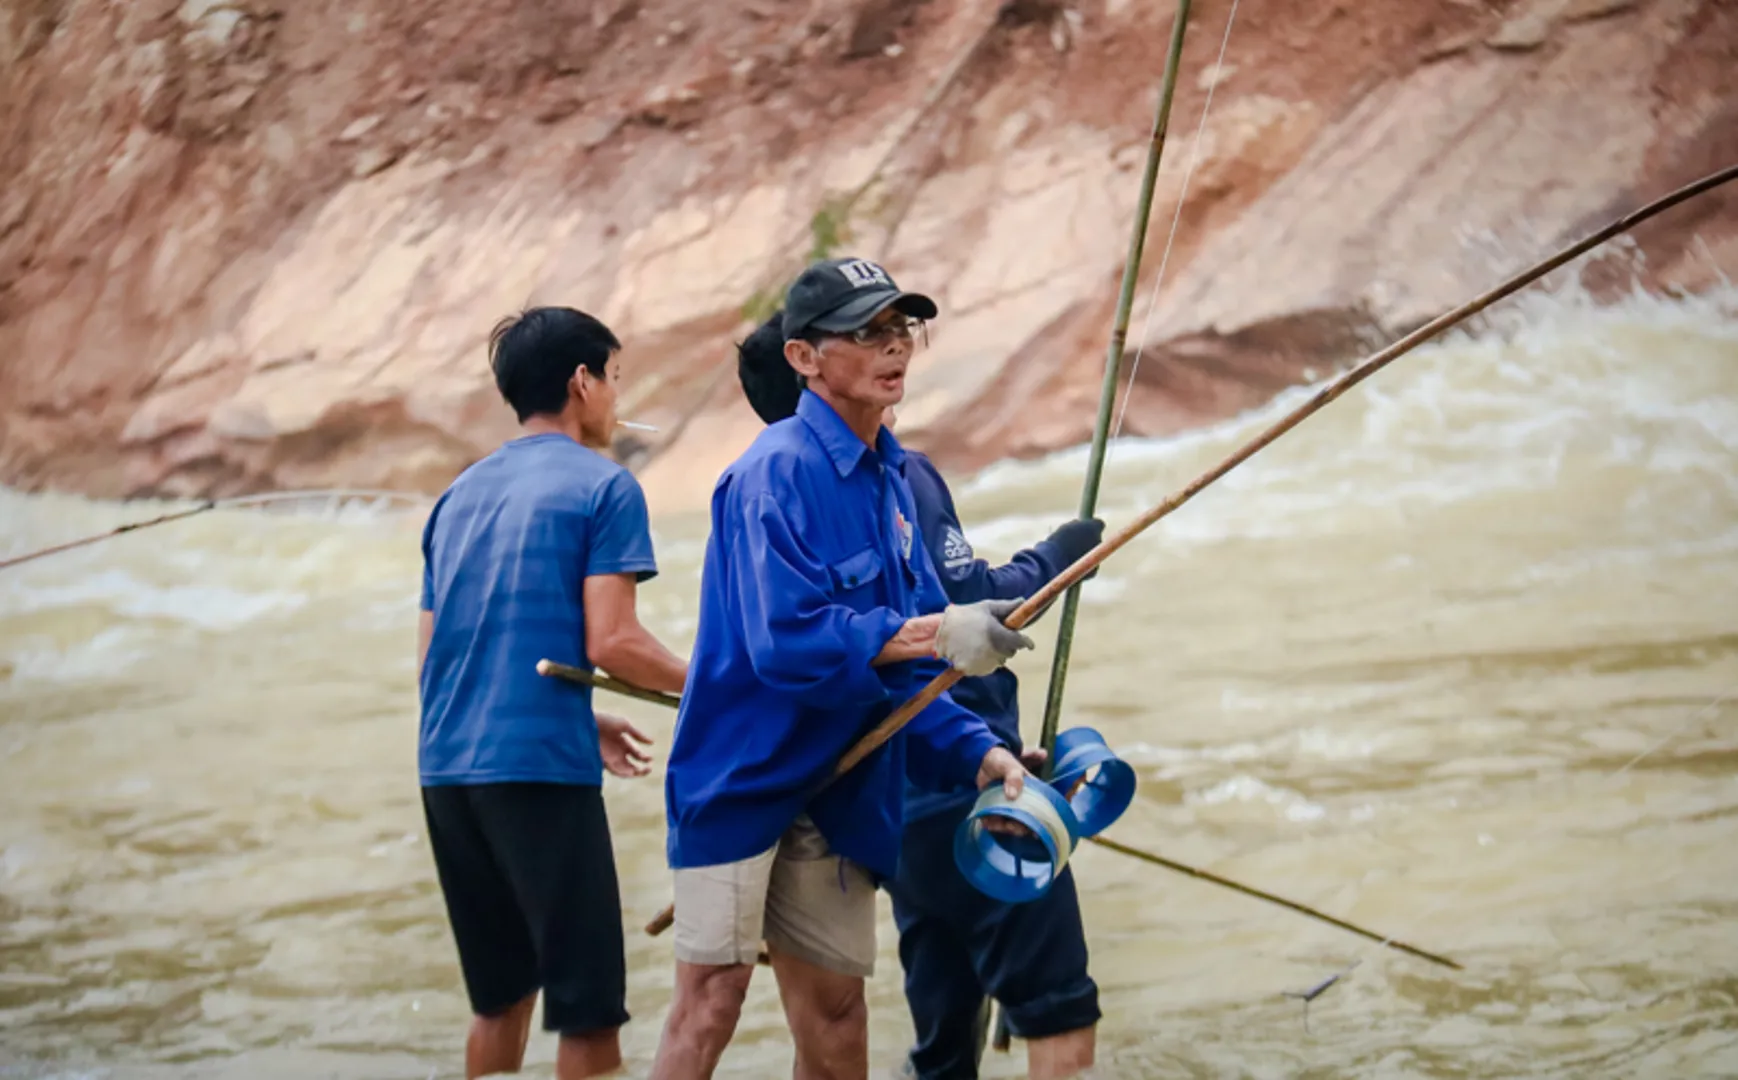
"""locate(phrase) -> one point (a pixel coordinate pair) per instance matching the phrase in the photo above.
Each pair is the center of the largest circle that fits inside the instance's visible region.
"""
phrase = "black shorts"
(529, 877)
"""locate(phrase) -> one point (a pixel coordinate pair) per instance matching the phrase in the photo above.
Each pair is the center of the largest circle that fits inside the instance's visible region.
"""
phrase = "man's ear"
(802, 358)
(578, 386)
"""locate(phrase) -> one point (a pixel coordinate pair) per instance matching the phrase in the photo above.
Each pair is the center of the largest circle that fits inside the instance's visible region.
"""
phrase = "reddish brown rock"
(247, 244)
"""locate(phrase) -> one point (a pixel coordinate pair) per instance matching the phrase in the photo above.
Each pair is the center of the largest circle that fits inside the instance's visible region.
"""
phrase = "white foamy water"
(1399, 666)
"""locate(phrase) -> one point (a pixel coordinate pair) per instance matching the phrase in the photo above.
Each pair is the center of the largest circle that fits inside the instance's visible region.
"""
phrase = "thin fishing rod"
(1112, 368)
(569, 673)
(1386, 941)
(210, 504)
(1037, 602)
(117, 531)
(1107, 402)
(1086, 564)
(662, 922)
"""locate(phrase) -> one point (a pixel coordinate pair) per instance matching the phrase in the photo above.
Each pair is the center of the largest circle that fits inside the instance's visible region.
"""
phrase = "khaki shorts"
(797, 895)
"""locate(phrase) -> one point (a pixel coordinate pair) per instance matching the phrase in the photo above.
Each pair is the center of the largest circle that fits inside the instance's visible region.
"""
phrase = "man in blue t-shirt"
(535, 552)
(957, 945)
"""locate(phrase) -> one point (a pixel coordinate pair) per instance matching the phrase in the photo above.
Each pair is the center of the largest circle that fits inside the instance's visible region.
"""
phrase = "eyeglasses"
(903, 328)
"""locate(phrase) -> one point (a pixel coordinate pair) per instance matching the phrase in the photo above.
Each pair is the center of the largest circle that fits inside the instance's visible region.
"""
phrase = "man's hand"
(1075, 538)
(972, 638)
(615, 741)
(1001, 764)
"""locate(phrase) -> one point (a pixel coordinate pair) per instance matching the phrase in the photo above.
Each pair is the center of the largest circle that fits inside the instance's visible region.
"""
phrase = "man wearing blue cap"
(812, 629)
(958, 946)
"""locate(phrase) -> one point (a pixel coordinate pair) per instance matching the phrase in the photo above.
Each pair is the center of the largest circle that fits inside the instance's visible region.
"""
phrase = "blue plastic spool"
(1011, 868)
(1106, 794)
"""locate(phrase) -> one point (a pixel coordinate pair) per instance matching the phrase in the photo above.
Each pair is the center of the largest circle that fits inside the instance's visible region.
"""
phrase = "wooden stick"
(117, 531)
(1112, 371)
(1090, 561)
(664, 918)
(1131, 270)
(605, 682)
(1302, 909)
(211, 504)
(1327, 394)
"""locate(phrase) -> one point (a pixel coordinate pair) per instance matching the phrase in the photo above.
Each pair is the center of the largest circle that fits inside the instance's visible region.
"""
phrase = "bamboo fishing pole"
(1020, 616)
(658, 925)
(116, 531)
(664, 918)
(1089, 562)
(1302, 909)
(1112, 373)
(600, 681)
(1131, 270)
(212, 504)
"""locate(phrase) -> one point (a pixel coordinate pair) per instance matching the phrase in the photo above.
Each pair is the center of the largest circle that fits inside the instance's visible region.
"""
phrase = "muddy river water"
(1452, 660)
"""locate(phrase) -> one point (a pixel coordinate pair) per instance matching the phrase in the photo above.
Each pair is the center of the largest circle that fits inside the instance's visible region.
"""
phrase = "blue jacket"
(811, 567)
(968, 579)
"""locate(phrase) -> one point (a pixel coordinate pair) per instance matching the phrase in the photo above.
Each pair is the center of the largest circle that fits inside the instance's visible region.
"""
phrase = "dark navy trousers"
(958, 945)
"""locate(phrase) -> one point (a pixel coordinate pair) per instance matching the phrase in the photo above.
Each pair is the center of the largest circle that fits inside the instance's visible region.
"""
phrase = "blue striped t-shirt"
(506, 552)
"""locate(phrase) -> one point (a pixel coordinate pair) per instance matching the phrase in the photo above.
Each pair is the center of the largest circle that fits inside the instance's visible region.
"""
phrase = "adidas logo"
(954, 549)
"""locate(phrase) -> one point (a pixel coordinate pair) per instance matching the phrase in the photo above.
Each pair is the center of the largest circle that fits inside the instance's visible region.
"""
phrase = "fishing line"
(1176, 219)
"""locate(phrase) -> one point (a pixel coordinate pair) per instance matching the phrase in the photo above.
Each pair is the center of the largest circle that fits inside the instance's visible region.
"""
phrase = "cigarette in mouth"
(635, 426)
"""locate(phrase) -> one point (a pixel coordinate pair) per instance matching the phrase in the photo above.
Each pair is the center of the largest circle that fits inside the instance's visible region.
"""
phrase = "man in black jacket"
(956, 944)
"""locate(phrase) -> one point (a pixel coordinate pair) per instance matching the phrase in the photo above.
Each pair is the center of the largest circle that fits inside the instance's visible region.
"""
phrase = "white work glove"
(972, 638)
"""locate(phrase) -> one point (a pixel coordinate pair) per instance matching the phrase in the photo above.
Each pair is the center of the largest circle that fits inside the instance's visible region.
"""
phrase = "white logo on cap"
(862, 273)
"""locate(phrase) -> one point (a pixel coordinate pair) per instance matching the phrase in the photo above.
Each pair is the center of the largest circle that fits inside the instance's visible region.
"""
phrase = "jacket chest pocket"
(854, 575)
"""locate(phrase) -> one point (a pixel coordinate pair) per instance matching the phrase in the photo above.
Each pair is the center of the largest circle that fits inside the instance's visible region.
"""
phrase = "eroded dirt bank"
(250, 244)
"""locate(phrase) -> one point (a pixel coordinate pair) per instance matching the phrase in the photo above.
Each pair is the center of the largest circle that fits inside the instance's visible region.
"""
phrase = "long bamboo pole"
(1113, 369)
(1089, 562)
(599, 681)
(569, 673)
(1038, 601)
(212, 504)
(116, 531)
(1302, 909)
(1113, 356)
(662, 922)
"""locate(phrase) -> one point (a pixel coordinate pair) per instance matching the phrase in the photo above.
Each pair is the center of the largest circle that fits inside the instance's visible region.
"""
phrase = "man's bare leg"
(497, 1043)
(828, 1017)
(1057, 1056)
(703, 1014)
(596, 1053)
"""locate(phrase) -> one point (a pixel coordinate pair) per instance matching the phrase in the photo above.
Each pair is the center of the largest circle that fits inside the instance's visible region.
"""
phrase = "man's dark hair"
(771, 385)
(536, 352)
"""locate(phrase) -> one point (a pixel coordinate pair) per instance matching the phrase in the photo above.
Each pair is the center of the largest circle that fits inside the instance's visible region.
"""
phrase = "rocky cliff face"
(248, 243)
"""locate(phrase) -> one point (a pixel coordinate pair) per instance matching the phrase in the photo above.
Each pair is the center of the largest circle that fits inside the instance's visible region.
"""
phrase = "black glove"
(1076, 538)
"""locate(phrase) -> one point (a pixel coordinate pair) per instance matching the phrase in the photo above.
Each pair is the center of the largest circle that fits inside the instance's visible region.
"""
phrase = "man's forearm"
(638, 658)
(915, 641)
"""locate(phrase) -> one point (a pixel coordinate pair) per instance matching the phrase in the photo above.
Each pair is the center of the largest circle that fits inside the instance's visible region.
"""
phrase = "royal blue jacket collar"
(842, 445)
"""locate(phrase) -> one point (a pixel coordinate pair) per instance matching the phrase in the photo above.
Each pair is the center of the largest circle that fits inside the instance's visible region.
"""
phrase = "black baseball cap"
(838, 296)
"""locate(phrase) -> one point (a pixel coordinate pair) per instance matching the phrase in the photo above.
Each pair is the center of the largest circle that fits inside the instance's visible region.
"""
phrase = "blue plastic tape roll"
(1106, 794)
(1016, 868)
